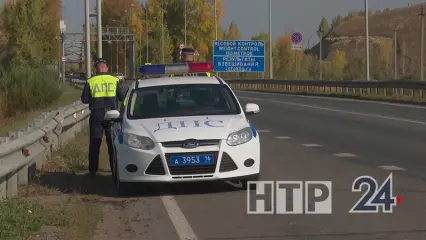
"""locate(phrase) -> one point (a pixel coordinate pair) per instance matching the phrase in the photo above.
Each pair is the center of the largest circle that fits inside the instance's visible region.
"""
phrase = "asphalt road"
(302, 138)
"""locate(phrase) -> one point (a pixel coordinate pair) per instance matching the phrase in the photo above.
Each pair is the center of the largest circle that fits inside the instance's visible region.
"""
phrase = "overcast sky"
(252, 16)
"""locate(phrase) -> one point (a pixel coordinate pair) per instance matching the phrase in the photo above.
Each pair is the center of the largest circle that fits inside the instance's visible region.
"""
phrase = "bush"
(24, 89)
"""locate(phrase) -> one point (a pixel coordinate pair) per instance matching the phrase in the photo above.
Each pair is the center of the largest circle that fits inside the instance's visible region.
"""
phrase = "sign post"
(62, 28)
(296, 38)
(239, 56)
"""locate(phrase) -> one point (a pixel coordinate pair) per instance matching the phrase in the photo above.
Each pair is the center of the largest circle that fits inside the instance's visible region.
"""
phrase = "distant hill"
(349, 36)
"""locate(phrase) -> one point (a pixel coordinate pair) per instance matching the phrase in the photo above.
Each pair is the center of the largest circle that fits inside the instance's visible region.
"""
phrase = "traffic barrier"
(402, 90)
(24, 151)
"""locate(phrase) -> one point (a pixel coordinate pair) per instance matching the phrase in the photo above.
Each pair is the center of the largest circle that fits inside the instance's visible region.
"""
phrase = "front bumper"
(152, 166)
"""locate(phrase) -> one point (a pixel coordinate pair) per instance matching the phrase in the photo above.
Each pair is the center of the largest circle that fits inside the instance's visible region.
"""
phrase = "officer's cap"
(100, 60)
(188, 51)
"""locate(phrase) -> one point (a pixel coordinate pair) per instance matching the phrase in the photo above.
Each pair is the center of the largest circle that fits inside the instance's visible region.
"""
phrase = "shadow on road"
(104, 186)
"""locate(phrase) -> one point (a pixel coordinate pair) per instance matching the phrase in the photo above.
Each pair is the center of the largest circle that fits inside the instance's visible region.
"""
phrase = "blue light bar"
(178, 68)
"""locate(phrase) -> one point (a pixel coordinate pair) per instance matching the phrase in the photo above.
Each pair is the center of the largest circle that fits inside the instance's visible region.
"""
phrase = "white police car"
(183, 128)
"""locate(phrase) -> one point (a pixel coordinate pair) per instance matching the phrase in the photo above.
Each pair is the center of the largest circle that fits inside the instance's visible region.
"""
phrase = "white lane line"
(391, 168)
(283, 137)
(263, 131)
(182, 226)
(342, 111)
(347, 155)
(311, 145)
(338, 99)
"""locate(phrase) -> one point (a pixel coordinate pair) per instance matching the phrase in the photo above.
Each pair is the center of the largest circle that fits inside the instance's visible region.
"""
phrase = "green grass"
(19, 218)
(68, 95)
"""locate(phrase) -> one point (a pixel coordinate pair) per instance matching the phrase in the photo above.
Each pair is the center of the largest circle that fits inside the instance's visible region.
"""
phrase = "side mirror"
(252, 108)
(112, 115)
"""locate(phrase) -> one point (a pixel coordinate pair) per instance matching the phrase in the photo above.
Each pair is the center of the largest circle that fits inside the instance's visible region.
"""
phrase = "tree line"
(145, 20)
(29, 44)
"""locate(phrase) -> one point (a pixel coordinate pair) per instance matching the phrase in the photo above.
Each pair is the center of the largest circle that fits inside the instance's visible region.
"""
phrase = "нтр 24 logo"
(374, 197)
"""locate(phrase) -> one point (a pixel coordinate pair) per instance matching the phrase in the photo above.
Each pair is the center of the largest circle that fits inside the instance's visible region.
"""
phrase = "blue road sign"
(296, 37)
(239, 56)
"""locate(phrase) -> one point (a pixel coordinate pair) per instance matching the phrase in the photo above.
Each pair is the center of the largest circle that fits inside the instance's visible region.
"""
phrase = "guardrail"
(24, 151)
(405, 90)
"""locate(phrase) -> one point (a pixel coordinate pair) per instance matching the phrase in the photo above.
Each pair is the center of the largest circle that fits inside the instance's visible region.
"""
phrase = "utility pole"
(162, 29)
(271, 74)
(99, 23)
(367, 44)
(147, 33)
(185, 23)
(395, 53)
(87, 28)
(63, 55)
(320, 33)
(62, 28)
(215, 17)
(422, 14)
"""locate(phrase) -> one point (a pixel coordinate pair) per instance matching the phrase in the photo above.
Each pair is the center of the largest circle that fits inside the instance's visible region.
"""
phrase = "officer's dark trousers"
(97, 127)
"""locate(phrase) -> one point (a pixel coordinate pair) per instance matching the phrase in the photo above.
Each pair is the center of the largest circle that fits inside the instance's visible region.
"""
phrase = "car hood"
(182, 128)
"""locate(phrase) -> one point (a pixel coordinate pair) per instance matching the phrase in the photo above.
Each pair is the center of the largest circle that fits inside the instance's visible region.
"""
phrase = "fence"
(24, 151)
(408, 90)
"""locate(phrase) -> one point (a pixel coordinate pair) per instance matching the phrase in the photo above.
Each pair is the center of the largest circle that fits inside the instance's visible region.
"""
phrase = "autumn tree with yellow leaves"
(28, 81)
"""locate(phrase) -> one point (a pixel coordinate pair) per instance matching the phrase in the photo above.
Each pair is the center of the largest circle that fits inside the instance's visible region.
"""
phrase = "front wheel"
(122, 188)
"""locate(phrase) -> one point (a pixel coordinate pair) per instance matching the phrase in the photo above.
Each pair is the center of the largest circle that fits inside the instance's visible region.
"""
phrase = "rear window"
(182, 100)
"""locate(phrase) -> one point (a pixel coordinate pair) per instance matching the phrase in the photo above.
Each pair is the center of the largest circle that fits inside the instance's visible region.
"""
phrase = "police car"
(183, 129)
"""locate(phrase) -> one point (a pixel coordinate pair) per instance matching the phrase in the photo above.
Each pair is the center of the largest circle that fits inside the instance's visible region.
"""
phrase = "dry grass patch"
(60, 203)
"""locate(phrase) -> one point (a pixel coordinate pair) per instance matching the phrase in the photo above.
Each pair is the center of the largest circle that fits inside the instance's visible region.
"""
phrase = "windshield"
(182, 100)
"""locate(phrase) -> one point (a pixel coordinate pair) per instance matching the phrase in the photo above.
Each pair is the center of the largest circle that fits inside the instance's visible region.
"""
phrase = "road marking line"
(337, 99)
(263, 131)
(344, 155)
(342, 111)
(391, 168)
(283, 137)
(182, 226)
(311, 145)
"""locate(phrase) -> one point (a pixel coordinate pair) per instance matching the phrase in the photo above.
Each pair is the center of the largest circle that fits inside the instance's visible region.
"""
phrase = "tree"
(336, 22)
(123, 13)
(155, 8)
(338, 63)
(323, 27)
(233, 32)
(284, 57)
(31, 32)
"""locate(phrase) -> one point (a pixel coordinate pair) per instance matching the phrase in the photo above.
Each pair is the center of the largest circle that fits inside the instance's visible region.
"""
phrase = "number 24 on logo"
(374, 197)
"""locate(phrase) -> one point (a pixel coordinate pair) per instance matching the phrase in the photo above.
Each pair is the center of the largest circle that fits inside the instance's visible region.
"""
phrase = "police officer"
(102, 92)
(188, 56)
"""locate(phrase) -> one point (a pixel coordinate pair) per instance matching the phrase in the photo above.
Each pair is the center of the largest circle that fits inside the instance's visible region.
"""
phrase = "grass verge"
(21, 119)
(57, 203)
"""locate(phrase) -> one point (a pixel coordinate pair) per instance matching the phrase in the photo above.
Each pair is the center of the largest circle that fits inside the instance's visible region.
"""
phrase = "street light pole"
(395, 53)
(162, 30)
(99, 23)
(87, 28)
(422, 14)
(320, 57)
(147, 33)
(215, 17)
(185, 22)
(270, 41)
(367, 45)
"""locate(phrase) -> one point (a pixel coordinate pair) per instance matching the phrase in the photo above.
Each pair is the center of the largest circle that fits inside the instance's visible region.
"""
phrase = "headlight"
(240, 137)
(140, 142)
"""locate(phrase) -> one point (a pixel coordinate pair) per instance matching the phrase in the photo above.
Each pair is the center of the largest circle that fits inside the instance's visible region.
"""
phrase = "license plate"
(206, 159)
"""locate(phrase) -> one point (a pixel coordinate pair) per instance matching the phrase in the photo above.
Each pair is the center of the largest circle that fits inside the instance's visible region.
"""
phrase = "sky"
(252, 16)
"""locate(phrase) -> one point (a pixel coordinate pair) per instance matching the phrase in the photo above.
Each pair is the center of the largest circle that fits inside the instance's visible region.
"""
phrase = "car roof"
(161, 81)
